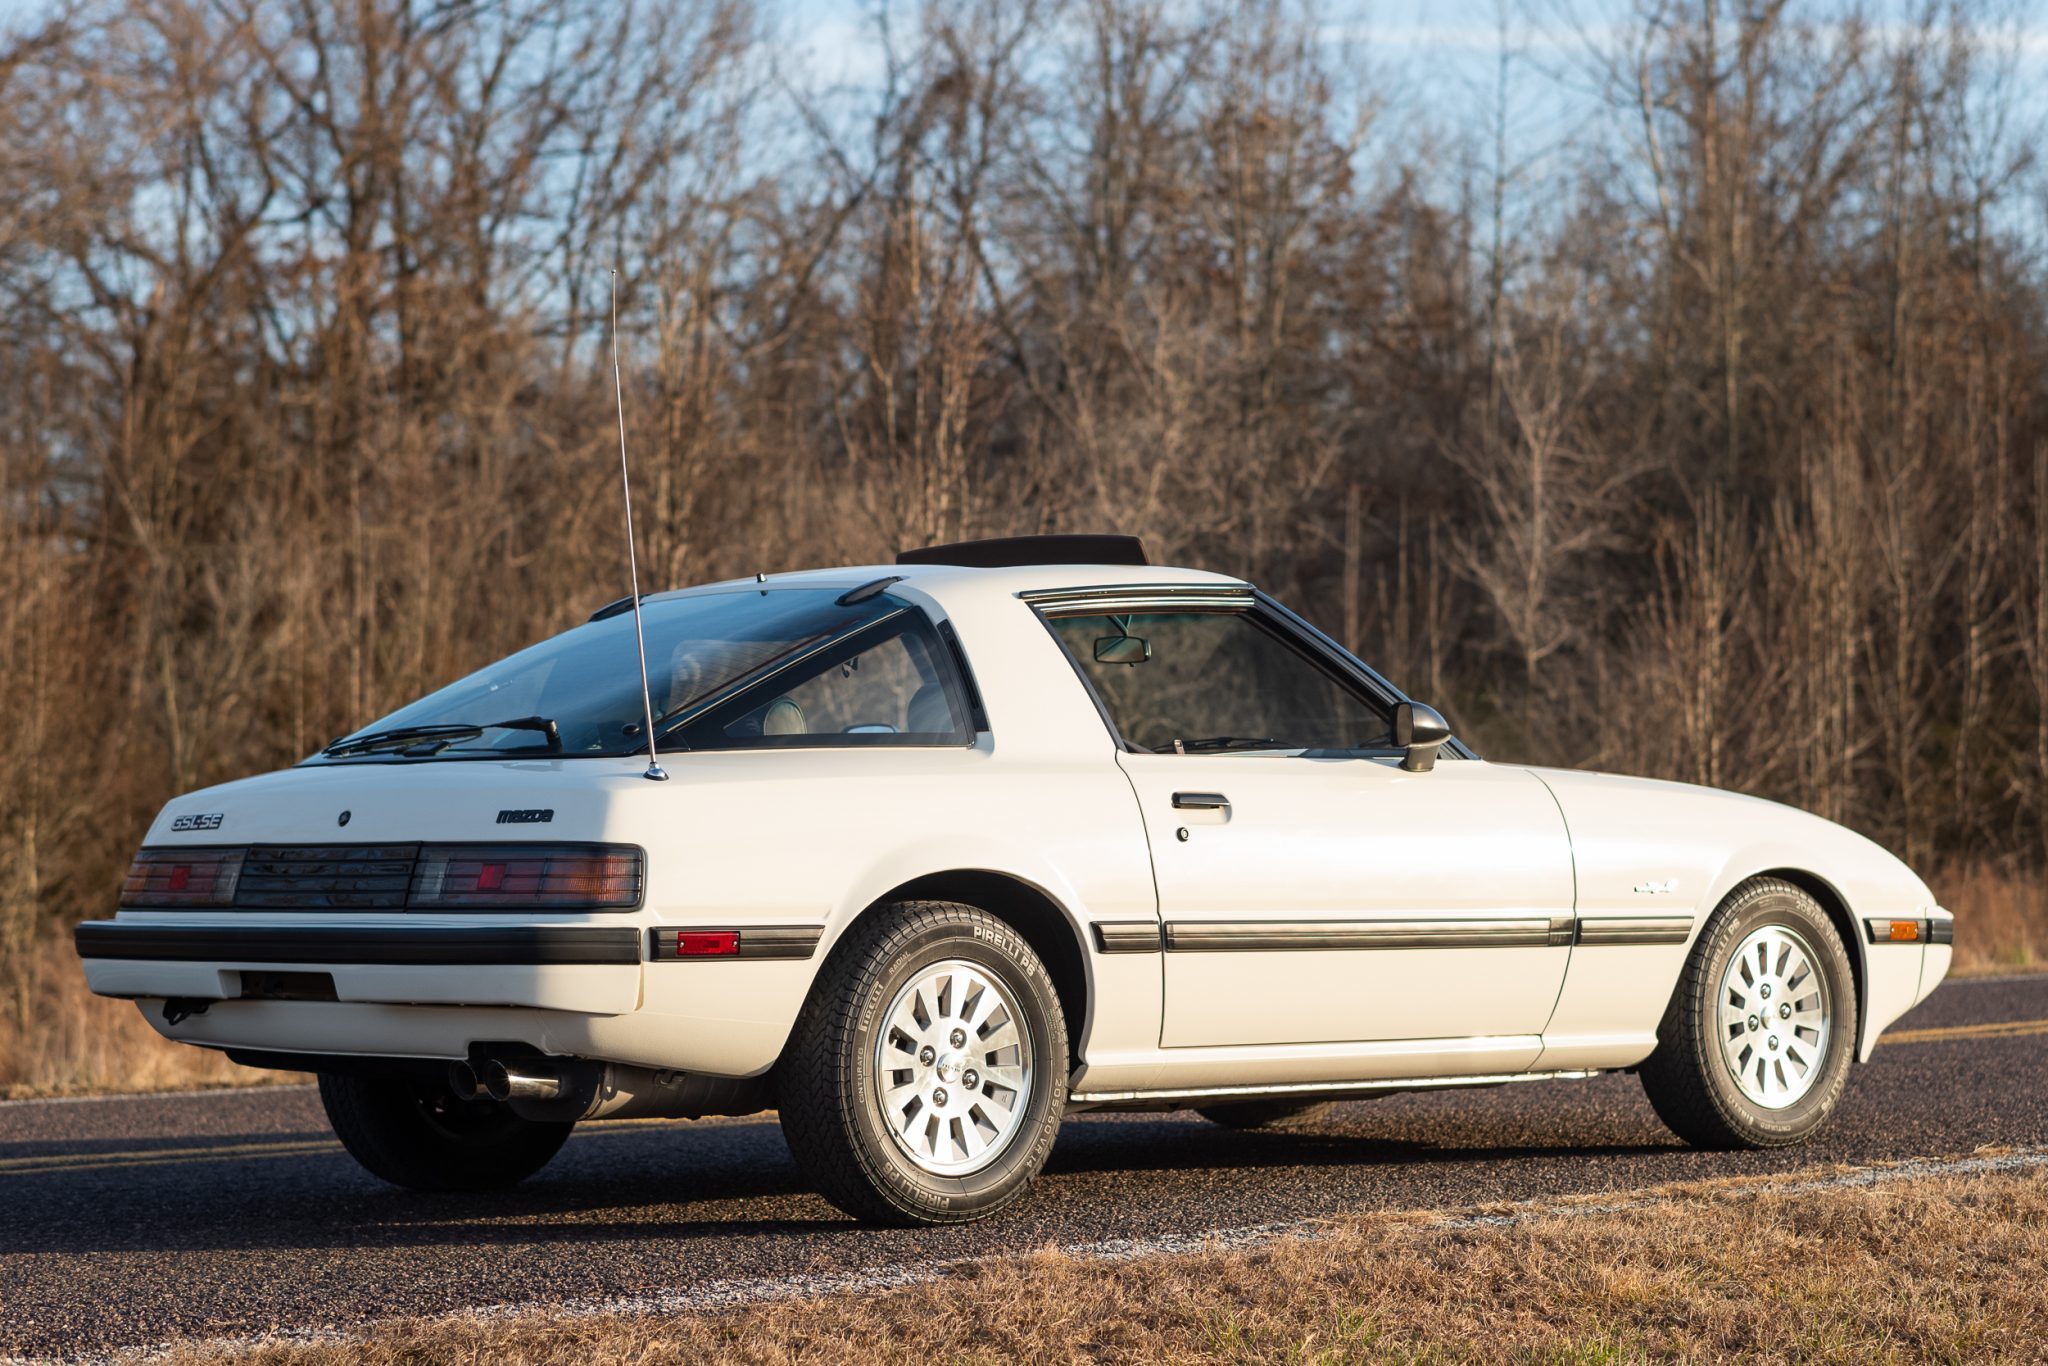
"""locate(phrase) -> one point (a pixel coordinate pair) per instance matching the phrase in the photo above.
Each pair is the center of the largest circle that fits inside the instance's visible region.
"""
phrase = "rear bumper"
(590, 969)
(404, 989)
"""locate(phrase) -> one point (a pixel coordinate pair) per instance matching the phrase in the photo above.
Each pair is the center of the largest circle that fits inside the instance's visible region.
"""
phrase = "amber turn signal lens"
(1905, 931)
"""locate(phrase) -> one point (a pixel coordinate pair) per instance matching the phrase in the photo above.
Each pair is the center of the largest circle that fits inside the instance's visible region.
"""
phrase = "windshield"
(587, 680)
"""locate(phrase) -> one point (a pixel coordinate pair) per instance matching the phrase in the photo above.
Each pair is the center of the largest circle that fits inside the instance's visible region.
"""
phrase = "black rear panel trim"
(376, 877)
(438, 945)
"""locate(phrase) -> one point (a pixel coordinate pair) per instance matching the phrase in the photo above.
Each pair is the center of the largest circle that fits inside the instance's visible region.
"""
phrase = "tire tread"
(1674, 1076)
(817, 1110)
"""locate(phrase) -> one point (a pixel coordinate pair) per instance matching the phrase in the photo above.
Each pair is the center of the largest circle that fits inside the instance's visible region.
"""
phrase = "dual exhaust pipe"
(558, 1089)
(496, 1079)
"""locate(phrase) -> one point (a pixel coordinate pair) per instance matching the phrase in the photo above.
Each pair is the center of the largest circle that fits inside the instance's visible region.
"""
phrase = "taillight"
(525, 876)
(182, 877)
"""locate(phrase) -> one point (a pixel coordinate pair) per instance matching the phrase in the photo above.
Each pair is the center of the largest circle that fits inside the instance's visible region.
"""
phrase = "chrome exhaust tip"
(505, 1082)
(463, 1081)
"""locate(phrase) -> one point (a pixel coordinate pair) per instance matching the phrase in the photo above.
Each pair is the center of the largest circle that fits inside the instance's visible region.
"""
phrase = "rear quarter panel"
(799, 837)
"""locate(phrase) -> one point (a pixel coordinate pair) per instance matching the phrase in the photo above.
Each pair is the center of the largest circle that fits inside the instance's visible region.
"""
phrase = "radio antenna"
(654, 770)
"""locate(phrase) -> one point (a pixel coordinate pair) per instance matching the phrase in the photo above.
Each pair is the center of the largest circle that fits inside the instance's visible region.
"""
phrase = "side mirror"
(1421, 731)
(1122, 650)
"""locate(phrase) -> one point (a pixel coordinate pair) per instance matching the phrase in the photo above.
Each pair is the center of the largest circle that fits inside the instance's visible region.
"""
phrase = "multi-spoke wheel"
(953, 1067)
(926, 1076)
(1755, 1047)
(1775, 1021)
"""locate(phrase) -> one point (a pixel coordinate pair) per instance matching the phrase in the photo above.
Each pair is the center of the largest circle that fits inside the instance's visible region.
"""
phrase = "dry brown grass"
(57, 1038)
(2001, 916)
(1945, 1268)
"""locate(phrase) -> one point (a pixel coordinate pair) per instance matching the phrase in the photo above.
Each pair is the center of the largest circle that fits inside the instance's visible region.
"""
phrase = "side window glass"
(899, 689)
(1209, 682)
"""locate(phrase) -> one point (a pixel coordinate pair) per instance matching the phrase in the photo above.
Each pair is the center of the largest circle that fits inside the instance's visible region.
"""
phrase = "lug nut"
(971, 1079)
(925, 1055)
(959, 1037)
(1764, 991)
(938, 1095)
(1754, 1024)
(1774, 1041)
(1784, 1010)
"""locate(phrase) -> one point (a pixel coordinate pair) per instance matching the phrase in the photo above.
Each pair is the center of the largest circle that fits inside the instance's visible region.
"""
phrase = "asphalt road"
(129, 1222)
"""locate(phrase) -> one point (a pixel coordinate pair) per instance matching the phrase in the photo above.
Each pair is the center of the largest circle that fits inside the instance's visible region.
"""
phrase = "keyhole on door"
(1181, 834)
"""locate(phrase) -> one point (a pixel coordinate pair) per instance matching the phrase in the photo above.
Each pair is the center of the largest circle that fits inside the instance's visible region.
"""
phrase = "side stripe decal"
(1254, 936)
(1246, 936)
(1635, 929)
(1127, 936)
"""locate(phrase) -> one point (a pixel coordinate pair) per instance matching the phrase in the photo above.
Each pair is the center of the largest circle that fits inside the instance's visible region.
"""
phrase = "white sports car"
(952, 848)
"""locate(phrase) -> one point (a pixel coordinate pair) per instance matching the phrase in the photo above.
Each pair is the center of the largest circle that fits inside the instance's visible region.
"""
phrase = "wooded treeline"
(1710, 447)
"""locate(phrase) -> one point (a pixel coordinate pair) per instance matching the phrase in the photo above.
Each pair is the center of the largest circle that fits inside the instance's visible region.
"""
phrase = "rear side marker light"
(743, 943)
(707, 943)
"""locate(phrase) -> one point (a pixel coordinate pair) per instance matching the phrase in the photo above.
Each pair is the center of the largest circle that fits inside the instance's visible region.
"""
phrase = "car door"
(1313, 891)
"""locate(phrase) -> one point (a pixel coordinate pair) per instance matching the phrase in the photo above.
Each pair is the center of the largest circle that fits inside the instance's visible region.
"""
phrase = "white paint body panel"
(1631, 832)
(1046, 798)
(1347, 840)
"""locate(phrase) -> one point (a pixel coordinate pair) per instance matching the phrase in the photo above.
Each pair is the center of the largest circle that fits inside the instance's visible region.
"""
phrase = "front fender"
(1641, 846)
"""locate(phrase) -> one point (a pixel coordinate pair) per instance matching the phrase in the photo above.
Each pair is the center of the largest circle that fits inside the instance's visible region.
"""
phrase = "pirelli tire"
(1755, 1047)
(926, 1076)
(1268, 1114)
(417, 1134)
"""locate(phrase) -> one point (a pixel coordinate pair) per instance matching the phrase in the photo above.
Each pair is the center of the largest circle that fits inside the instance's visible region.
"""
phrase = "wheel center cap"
(950, 1067)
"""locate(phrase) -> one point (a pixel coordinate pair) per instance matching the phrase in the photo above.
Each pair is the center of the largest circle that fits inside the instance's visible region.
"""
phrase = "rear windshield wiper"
(433, 739)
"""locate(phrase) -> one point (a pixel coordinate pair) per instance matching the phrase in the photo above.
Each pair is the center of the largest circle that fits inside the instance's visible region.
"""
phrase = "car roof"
(938, 578)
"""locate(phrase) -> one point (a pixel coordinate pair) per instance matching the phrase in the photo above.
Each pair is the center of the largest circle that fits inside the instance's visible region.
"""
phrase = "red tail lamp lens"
(517, 877)
(182, 877)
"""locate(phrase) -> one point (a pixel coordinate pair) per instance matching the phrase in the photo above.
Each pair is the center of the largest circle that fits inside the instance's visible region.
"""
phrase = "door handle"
(1200, 801)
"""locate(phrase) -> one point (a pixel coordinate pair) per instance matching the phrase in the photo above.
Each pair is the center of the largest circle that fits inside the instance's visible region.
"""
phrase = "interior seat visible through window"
(893, 683)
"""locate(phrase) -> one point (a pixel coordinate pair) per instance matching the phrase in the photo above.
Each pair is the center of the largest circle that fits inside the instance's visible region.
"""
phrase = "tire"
(1767, 1022)
(1268, 1114)
(418, 1135)
(905, 1157)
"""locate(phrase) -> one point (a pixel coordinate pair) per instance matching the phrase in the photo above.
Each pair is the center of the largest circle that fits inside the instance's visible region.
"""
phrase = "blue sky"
(1434, 66)
(1436, 62)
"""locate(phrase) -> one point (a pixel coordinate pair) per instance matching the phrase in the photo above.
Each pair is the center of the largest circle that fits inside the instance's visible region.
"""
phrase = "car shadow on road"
(678, 1186)
(1223, 1149)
